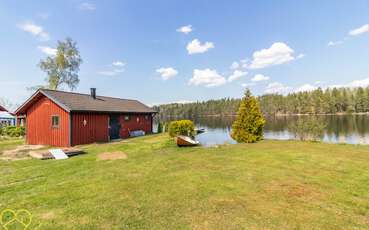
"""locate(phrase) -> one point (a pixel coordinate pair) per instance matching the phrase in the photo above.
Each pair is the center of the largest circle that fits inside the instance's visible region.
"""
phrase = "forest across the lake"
(319, 101)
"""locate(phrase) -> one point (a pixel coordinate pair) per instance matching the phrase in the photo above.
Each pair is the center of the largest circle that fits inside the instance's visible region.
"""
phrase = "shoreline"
(281, 115)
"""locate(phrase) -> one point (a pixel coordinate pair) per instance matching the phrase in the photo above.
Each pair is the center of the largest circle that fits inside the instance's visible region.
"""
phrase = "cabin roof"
(79, 102)
(3, 109)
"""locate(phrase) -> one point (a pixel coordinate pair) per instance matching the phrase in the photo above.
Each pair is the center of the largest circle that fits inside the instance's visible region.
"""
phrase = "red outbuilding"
(59, 118)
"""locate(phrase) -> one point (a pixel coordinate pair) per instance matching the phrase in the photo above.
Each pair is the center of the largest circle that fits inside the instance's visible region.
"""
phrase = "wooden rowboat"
(186, 141)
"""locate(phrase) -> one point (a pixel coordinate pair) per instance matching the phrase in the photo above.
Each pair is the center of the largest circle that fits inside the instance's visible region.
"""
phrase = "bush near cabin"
(249, 123)
(13, 131)
(160, 127)
(181, 127)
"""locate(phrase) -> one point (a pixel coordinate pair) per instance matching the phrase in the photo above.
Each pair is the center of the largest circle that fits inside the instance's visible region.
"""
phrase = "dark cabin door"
(114, 127)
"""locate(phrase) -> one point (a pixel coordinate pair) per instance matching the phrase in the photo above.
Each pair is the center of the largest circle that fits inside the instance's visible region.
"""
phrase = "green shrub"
(160, 127)
(308, 128)
(181, 127)
(13, 131)
(249, 123)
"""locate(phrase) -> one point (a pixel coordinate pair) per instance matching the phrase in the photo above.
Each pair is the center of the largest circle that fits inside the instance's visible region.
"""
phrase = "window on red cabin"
(127, 118)
(55, 121)
(147, 117)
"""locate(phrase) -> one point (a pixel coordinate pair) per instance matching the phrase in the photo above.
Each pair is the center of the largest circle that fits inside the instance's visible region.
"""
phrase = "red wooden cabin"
(65, 119)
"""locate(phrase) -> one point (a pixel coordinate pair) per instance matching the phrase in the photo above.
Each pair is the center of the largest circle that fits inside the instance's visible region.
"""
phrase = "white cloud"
(305, 88)
(113, 72)
(277, 87)
(116, 68)
(171, 102)
(87, 6)
(259, 77)
(354, 84)
(118, 64)
(245, 63)
(195, 47)
(236, 75)
(35, 30)
(358, 31)
(47, 50)
(184, 102)
(359, 83)
(245, 85)
(185, 29)
(43, 16)
(167, 73)
(335, 43)
(235, 65)
(207, 77)
(300, 56)
(121, 70)
(277, 54)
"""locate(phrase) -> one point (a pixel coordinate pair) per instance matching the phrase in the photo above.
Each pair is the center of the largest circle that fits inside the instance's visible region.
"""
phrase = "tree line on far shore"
(319, 101)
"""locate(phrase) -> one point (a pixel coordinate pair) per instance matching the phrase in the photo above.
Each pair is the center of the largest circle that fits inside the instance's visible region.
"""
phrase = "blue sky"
(167, 51)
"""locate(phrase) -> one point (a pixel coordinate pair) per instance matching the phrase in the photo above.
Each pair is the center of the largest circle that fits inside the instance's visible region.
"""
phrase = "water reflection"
(352, 129)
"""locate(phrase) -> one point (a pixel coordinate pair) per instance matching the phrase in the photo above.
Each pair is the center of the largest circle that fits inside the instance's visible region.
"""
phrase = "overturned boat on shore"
(185, 141)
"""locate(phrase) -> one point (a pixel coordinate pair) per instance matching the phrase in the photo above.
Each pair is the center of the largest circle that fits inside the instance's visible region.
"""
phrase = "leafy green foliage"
(13, 131)
(181, 127)
(224, 107)
(160, 127)
(64, 66)
(308, 128)
(248, 126)
(329, 101)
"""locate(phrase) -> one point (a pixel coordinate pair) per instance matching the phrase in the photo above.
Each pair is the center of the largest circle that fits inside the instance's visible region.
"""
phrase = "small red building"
(59, 118)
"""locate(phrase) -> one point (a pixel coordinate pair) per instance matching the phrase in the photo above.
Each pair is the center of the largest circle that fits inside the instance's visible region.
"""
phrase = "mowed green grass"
(267, 185)
(11, 143)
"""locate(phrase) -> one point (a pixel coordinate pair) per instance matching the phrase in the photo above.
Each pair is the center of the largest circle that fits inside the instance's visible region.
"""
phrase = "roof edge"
(2, 108)
(66, 108)
(46, 95)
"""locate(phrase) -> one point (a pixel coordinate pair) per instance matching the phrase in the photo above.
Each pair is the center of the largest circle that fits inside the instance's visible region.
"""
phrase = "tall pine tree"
(249, 124)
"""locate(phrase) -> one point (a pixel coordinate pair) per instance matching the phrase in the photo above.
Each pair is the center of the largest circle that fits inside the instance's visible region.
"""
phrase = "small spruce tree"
(249, 123)
(160, 127)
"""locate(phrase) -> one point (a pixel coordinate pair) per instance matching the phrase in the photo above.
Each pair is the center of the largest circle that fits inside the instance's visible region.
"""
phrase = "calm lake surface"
(351, 129)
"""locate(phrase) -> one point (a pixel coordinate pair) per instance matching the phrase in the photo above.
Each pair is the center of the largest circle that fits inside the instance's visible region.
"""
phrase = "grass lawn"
(10, 143)
(268, 185)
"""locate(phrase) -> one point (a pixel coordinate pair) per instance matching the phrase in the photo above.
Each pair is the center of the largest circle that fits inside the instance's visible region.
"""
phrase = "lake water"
(351, 129)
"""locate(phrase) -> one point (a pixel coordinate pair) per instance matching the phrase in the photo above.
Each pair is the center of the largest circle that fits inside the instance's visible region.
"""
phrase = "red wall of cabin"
(38, 125)
(95, 129)
(133, 124)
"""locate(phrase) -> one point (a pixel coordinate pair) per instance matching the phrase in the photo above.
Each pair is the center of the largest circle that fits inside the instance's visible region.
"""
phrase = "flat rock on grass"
(20, 152)
(112, 155)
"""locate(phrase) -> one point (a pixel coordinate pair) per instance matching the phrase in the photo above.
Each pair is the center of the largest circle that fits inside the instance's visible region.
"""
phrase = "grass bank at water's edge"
(267, 185)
